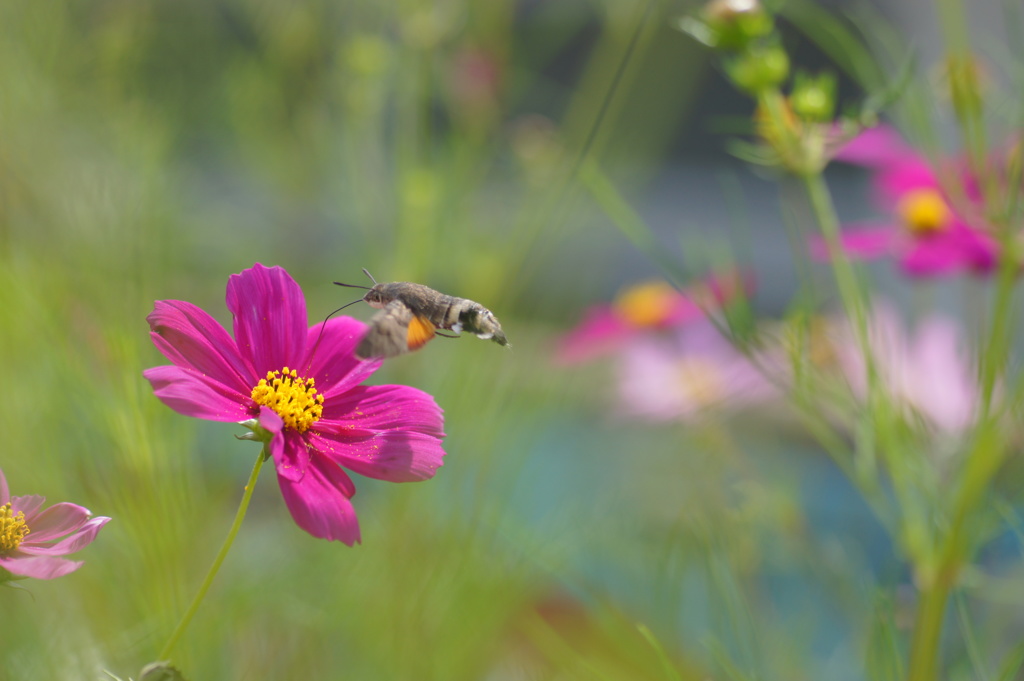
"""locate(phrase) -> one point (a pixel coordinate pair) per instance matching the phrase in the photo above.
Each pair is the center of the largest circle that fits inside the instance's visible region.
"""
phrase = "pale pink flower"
(33, 539)
(928, 372)
(688, 373)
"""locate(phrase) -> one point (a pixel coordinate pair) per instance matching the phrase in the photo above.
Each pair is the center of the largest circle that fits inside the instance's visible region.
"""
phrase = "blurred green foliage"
(150, 149)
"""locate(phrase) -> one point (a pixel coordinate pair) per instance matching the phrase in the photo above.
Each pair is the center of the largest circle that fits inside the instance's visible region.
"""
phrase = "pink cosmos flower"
(928, 373)
(32, 540)
(686, 375)
(640, 309)
(303, 389)
(927, 234)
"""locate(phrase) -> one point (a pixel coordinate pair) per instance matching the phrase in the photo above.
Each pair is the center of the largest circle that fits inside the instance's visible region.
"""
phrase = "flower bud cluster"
(793, 129)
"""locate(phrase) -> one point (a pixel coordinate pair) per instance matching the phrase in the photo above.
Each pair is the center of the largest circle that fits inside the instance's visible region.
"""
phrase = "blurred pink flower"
(640, 309)
(475, 80)
(31, 540)
(926, 233)
(692, 371)
(928, 372)
(310, 403)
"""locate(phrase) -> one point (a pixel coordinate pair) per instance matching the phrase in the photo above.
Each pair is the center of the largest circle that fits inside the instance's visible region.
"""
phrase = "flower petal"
(981, 249)
(383, 407)
(75, 542)
(270, 317)
(925, 261)
(875, 147)
(944, 383)
(600, 332)
(957, 249)
(388, 432)
(319, 502)
(57, 521)
(39, 567)
(192, 339)
(270, 420)
(395, 455)
(910, 174)
(291, 457)
(191, 394)
(862, 241)
(330, 359)
(694, 371)
(27, 504)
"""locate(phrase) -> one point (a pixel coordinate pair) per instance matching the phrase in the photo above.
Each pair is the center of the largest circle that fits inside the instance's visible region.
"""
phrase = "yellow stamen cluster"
(646, 304)
(924, 212)
(12, 529)
(293, 398)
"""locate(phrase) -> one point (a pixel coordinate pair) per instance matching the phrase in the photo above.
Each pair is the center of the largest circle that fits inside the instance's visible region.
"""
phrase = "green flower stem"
(846, 279)
(221, 555)
(936, 586)
(855, 305)
(931, 610)
(809, 171)
(996, 353)
(982, 463)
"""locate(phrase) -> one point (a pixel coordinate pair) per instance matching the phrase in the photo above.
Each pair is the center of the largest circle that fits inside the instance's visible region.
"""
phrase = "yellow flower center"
(701, 381)
(924, 212)
(12, 529)
(646, 305)
(293, 398)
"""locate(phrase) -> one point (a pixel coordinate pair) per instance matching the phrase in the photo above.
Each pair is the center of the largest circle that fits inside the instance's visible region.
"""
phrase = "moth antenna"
(320, 335)
(338, 283)
(367, 273)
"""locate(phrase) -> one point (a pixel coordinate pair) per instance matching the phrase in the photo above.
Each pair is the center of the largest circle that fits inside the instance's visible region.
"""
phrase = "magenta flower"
(304, 395)
(32, 540)
(926, 233)
(639, 310)
(688, 374)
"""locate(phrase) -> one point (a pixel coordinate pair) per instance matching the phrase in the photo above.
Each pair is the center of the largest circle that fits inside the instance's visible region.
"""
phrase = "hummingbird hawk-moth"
(410, 315)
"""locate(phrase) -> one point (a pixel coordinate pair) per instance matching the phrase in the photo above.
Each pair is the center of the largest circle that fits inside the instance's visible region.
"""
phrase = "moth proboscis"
(410, 315)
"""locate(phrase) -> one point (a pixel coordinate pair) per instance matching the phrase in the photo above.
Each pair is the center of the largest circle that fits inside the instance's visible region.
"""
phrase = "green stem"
(982, 463)
(846, 278)
(996, 353)
(924, 646)
(221, 555)
(773, 104)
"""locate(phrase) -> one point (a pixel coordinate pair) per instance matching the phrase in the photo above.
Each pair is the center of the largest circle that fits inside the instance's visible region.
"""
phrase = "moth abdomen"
(445, 313)
(475, 318)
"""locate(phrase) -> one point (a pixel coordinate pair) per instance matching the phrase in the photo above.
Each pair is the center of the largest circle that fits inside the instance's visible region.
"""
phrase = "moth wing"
(394, 330)
(386, 336)
(420, 331)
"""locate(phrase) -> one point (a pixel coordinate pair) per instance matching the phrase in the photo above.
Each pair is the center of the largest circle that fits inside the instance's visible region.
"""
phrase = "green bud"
(731, 25)
(759, 70)
(814, 98)
(736, 23)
